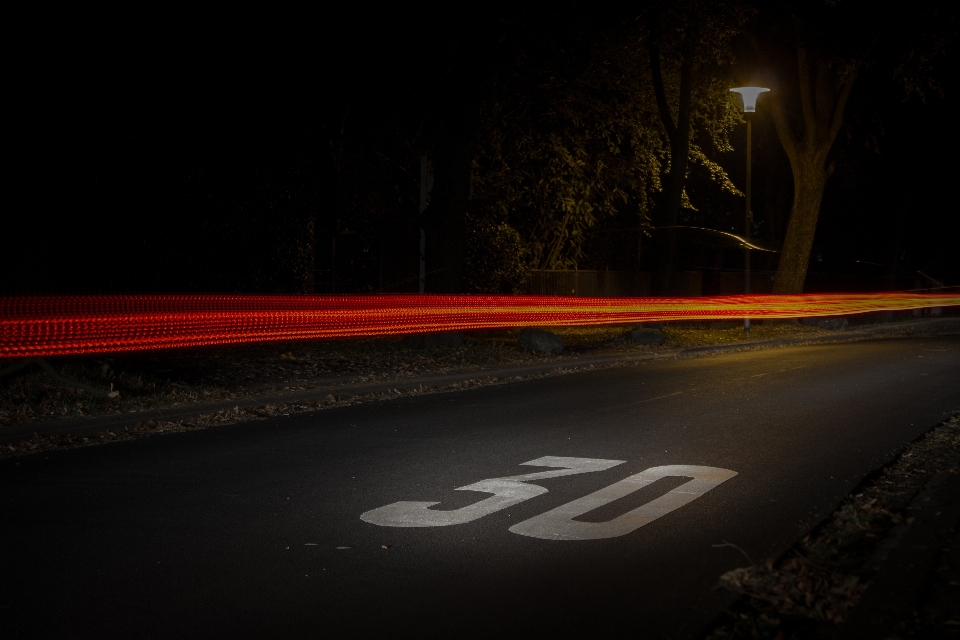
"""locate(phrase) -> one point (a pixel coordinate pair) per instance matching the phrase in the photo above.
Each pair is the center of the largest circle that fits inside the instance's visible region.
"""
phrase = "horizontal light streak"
(37, 326)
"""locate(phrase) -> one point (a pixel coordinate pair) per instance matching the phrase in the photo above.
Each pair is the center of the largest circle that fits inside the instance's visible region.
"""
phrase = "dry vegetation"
(684, 335)
(39, 443)
(176, 378)
(812, 587)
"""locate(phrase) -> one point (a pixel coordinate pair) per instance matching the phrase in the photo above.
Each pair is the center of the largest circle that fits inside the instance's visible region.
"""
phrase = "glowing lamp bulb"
(749, 95)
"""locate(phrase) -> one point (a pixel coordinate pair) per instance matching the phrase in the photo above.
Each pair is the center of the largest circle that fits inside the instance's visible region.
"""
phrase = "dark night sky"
(121, 146)
(126, 146)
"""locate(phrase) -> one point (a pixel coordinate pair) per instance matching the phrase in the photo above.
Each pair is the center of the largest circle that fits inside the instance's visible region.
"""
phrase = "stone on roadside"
(647, 335)
(539, 341)
(831, 324)
(433, 340)
(778, 322)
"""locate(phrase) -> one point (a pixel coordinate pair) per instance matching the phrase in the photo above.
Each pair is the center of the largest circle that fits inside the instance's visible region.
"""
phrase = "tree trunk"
(445, 219)
(309, 256)
(665, 241)
(810, 179)
(823, 98)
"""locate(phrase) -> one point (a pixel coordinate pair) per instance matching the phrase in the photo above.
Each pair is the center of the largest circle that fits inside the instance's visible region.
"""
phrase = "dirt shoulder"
(196, 388)
(175, 378)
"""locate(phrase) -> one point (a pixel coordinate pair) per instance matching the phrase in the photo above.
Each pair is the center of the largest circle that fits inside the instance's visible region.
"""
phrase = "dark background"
(228, 157)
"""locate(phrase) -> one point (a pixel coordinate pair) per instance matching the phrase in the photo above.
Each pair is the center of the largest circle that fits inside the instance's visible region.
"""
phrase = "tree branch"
(658, 91)
(686, 96)
(837, 118)
(803, 70)
(824, 95)
(785, 132)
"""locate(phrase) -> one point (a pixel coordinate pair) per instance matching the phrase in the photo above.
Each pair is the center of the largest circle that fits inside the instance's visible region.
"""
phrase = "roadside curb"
(95, 425)
(939, 327)
(749, 346)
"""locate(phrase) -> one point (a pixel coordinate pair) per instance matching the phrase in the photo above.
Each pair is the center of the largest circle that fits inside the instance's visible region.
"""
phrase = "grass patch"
(683, 335)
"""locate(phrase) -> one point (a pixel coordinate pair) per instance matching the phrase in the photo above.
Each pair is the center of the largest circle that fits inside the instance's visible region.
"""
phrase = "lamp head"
(749, 95)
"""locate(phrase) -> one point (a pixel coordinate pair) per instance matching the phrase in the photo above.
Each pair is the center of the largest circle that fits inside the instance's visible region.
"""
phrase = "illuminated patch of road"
(630, 404)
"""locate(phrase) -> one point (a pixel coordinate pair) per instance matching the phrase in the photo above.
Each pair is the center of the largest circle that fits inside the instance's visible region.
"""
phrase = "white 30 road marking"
(559, 523)
(506, 492)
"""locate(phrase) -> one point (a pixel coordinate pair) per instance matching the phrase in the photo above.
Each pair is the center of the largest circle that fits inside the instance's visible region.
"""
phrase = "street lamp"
(749, 95)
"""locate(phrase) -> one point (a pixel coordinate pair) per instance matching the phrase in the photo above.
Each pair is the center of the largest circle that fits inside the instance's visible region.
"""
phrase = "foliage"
(367, 237)
(572, 143)
(566, 143)
(702, 33)
(496, 258)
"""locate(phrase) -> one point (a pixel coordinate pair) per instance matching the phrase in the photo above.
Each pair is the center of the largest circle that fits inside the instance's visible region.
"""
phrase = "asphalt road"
(255, 530)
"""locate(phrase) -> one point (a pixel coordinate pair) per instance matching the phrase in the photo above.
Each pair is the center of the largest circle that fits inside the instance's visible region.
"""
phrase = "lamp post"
(749, 95)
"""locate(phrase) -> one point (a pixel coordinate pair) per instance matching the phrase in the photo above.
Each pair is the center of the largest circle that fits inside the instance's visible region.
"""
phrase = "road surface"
(348, 521)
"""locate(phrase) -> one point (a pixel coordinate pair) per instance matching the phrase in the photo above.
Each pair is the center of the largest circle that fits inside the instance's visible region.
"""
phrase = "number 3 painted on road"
(559, 523)
(506, 492)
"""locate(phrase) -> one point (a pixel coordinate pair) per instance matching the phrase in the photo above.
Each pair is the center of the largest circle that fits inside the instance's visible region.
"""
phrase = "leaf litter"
(810, 589)
(177, 378)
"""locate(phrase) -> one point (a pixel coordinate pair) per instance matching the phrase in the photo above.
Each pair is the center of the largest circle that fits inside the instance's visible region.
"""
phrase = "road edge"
(93, 426)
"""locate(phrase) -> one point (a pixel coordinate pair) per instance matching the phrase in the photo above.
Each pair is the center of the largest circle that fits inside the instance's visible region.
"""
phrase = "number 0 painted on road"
(559, 523)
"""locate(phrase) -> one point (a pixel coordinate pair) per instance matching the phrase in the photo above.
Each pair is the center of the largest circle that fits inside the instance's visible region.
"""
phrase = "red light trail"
(39, 326)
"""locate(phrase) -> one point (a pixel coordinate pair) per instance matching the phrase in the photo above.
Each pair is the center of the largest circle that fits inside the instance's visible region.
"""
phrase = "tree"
(821, 89)
(453, 128)
(566, 141)
(496, 258)
(819, 49)
(690, 41)
(572, 140)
